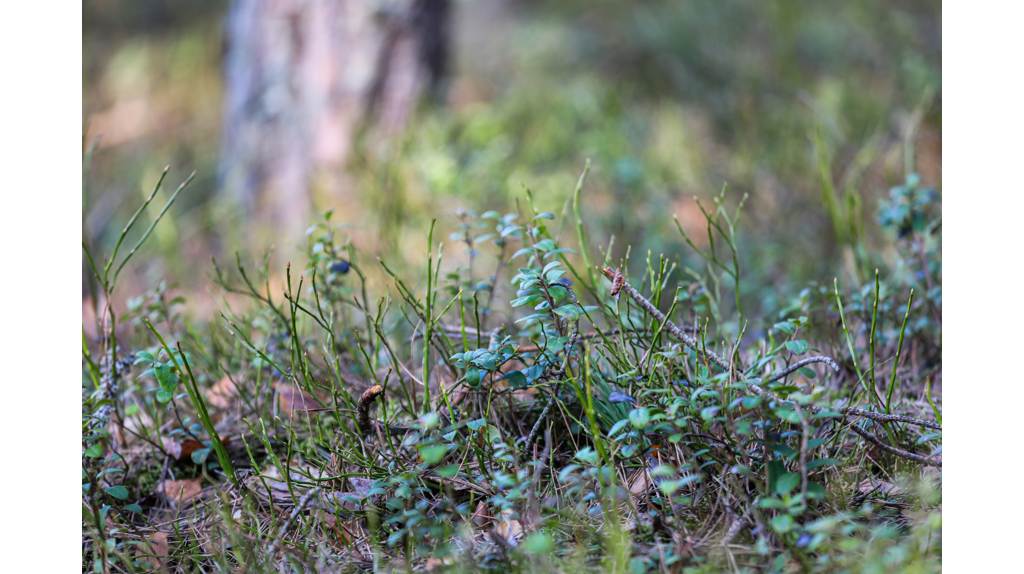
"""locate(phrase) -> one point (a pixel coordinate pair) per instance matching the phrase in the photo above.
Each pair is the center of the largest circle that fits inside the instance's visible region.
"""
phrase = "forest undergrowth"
(528, 402)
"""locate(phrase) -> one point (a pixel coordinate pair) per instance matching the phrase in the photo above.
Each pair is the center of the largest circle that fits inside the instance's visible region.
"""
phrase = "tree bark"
(303, 77)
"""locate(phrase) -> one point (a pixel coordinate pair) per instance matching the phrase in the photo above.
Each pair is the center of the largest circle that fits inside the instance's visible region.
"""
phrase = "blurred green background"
(813, 109)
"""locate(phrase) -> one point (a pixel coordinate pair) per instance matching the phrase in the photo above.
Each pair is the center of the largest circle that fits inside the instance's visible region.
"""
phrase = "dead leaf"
(181, 449)
(180, 491)
(638, 483)
(292, 399)
(509, 528)
(480, 516)
(433, 563)
(157, 546)
(221, 394)
(360, 485)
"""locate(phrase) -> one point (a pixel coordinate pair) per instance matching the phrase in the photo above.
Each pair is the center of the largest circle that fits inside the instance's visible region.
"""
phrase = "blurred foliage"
(813, 110)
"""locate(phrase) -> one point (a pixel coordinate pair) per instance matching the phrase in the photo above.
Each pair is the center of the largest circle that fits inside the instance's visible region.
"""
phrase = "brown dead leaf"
(180, 448)
(509, 528)
(433, 564)
(180, 491)
(638, 482)
(360, 485)
(157, 546)
(480, 516)
(221, 394)
(292, 399)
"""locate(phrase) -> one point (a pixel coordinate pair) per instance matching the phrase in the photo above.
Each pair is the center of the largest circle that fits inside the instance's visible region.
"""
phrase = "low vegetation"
(528, 402)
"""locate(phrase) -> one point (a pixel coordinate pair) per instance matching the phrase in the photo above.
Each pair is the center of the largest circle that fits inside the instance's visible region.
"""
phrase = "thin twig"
(303, 502)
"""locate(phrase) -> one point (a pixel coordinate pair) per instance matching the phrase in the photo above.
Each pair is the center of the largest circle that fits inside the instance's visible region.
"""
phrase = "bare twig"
(303, 502)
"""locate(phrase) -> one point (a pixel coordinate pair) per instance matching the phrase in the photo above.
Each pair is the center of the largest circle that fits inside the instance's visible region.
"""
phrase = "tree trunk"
(305, 76)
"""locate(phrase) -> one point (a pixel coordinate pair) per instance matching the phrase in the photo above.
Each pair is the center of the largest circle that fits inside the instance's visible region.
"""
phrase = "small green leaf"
(200, 455)
(782, 523)
(587, 454)
(523, 251)
(539, 542)
(472, 378)
(787, 482)
(571, 312)
(450, 471)
(118, 492)
(94, 451)
(133, 508)
(820, 462)
(163, 396)
(516, 378)
(545, 215)
(815, 490)
(786, 326)
(798, 347)
(162, 370)
(433, 454)
(640, 417)
(527, 300)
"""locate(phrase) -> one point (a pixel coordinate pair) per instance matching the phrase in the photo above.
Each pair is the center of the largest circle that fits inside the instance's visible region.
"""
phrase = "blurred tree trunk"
(304, 77)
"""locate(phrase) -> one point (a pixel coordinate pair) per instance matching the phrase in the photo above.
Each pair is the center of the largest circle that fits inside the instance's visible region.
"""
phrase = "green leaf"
(553, 275)
(708, 413)
(809, 373)
(545, 215)
(559, 250)
(516, 378)
(787, 482)
(450, 471)
(640, 417)
(571, 312)
(617, 427)
(133, 508)
(820, 462)
(798, 347)
(94, 451)
(162, 370)
(523, 251)
(545, 245)
(530, 317)
(163, 396)
(558, 292)
(782, 523)
(472, 378)
(527, 300)
(118, 492)
(433, 454)
(815, 490)
(200, 455)
(550, 266)
(587, 454)
(539, 542)
(786, 326)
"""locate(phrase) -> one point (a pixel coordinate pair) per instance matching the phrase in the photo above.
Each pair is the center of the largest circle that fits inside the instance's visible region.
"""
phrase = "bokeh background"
(395, 112)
